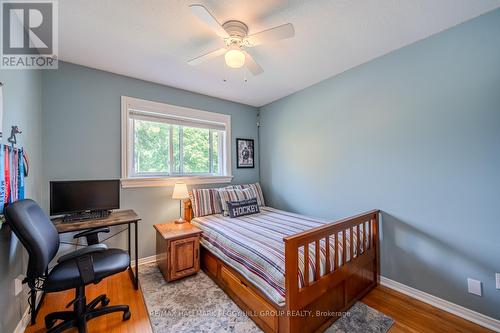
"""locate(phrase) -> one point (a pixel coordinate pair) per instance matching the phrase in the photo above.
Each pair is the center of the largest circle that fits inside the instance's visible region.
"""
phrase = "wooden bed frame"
(316, 305)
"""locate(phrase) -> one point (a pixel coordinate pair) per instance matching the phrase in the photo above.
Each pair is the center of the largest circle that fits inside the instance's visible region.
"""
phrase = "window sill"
(170, 181)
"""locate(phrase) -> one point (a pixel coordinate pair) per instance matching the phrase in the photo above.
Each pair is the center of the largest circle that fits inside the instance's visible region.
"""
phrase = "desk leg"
(128, 246)
(134, 271)
(136, 280)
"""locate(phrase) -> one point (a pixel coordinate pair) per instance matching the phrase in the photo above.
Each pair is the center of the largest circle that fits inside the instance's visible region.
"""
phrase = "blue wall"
(22, 107)
(415, 133)
(81, 136)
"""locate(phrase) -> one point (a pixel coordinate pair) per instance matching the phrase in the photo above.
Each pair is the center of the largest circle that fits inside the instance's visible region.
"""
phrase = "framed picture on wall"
(245, 151)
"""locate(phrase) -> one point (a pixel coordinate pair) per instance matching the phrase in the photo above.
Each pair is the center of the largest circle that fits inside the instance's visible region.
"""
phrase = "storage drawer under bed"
(260, 307)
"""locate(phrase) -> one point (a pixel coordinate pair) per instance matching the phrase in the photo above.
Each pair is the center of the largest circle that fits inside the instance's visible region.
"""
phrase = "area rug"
(197, 304)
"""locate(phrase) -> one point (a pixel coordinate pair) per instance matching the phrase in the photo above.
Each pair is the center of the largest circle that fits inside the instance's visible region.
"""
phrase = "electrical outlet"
(475, 287)
(18, 285)
(497, 276)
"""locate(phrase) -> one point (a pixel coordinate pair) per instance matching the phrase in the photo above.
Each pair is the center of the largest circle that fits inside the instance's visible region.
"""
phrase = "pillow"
(242, 208)
(233, 194)
(257, 189)
(205, 202)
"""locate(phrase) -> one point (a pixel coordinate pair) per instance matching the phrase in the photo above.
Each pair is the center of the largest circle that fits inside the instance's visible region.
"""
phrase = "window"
(163, 144)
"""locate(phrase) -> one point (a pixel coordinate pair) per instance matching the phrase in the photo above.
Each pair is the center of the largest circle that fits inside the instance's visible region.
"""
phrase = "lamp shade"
(180, 191)
(235, 58)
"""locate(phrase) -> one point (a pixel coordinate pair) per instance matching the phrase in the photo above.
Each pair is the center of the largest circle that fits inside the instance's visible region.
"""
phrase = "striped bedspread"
(253, 245)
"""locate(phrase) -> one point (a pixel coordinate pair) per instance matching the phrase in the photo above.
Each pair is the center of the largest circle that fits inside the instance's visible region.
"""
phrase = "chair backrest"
(36, 232)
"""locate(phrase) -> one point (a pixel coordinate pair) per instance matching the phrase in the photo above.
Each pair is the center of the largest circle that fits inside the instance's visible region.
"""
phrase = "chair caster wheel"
(105, 302)
(49, 324)
(126, 315)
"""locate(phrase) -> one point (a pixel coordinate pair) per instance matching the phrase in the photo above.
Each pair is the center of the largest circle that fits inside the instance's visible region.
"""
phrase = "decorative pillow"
(205, 202)
(233, 194)
(257, 189)
(242, 208)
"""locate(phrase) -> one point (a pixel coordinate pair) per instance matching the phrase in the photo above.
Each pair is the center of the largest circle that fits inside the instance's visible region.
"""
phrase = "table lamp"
(180, 193)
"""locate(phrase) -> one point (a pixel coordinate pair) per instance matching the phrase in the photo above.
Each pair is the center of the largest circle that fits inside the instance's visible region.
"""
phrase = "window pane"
(151, 147)
(195, 144)
(215, 152)
(176, 134)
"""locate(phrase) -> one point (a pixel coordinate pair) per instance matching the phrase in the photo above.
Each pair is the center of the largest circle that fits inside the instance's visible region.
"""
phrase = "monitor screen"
(68, 197)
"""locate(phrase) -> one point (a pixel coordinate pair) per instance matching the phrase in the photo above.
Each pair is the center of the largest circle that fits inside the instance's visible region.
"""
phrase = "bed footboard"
(343, 261)
(328, 269)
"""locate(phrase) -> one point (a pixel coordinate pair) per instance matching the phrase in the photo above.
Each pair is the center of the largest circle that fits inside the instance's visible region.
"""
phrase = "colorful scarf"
(7, 175)
(13, 175)
(2, 177)
(20, 182)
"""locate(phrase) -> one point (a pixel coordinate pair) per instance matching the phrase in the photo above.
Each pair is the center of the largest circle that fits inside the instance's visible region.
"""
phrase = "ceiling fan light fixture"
(234, 33)
(235, 58)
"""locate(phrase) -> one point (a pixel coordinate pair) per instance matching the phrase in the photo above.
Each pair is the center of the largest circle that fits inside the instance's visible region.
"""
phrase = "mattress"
(253, 245)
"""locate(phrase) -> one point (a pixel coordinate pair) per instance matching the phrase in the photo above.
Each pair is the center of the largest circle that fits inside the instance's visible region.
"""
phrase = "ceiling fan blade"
(203, 14)
(206, 56)
(252, 65)
(270, 35)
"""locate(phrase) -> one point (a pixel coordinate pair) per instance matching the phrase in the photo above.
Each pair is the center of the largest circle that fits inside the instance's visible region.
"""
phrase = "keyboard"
(86, 216)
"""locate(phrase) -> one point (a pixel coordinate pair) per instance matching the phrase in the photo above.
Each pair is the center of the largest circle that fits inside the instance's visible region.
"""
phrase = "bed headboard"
(188, 210)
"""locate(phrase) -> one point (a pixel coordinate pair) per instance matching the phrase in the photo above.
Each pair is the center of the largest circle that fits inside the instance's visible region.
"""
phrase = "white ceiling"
(152, 39)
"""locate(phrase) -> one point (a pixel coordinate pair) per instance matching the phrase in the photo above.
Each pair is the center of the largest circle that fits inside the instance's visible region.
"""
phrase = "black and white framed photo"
(245, 151)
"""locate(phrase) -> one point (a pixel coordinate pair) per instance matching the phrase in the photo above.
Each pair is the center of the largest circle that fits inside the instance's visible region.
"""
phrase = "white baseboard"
(460, 311)
(145, 260)
(26, 318)
(24, 322)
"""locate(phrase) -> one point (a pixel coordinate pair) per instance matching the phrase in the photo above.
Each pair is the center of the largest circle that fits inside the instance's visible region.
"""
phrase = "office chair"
(74, 270)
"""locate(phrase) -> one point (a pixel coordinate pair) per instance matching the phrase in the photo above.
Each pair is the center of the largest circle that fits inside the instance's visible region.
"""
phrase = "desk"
(121, 217)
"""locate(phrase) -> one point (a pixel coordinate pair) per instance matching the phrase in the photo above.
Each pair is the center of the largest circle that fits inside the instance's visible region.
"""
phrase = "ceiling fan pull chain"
(224, 69)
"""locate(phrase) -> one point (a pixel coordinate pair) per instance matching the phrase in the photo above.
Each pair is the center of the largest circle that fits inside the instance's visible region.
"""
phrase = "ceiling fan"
(236, 39)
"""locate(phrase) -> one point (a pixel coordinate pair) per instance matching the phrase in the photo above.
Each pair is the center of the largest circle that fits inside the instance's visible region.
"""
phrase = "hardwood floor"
(119, 289)
(410, 315)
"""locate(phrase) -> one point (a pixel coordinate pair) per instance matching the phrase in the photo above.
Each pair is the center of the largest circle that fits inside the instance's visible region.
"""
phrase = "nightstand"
(177, 250)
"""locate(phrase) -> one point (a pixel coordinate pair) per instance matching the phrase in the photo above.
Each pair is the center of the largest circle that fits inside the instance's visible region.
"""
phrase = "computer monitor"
(70, 197)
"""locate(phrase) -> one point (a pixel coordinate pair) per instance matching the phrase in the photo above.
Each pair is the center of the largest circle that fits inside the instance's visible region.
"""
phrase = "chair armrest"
(90, 232)
(81, 252)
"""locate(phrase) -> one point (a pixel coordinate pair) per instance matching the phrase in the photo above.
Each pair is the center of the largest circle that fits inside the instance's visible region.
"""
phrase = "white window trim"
(140, 104)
